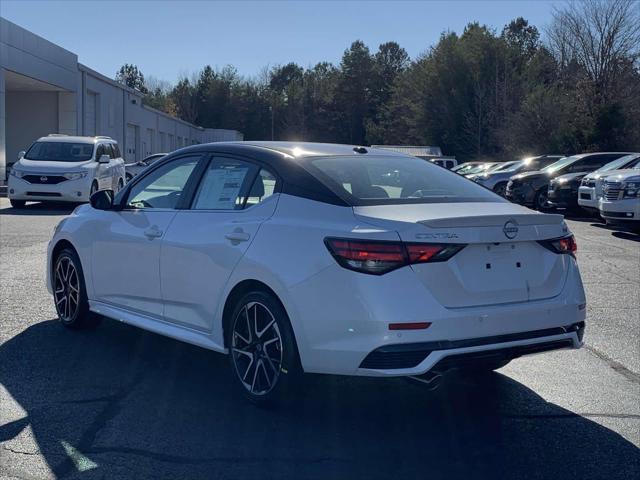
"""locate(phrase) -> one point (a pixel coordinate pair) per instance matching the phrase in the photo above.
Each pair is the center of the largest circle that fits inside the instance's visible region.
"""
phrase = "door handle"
(153, 232)
(237, 237)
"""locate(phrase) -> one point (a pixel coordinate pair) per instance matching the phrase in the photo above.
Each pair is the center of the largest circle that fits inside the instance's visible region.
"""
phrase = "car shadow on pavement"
(40, 209)
(118, 402)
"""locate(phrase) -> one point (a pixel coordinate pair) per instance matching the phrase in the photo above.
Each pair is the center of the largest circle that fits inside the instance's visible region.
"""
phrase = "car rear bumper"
(67, 191)
(419, 358)
(339, 337)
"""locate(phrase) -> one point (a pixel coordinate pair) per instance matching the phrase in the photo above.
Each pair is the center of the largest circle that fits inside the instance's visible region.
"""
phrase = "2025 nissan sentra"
(301, 257)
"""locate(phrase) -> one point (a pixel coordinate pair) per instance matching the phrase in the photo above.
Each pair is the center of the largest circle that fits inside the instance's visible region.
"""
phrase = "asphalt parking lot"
(118, 402)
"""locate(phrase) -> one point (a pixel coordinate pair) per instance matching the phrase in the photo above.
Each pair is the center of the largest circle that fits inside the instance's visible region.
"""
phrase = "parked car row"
(65, 168)
(558, 185)
(601, 182)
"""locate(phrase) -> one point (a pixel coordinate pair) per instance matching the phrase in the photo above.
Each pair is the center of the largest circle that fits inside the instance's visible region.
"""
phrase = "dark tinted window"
(100, 150)
(592, 162)
(60, 151)
(379, 180)
(116, 150)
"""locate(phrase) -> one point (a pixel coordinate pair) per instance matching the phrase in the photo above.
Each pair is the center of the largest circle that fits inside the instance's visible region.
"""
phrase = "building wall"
(3, 123)
(33, 115)
(85, 103)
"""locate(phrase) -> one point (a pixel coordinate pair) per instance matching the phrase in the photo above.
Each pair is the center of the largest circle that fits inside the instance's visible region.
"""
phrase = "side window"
(109, 149)
(100, 151)
(263, 187)
(163, 187)
(224, 185)
(116, 150)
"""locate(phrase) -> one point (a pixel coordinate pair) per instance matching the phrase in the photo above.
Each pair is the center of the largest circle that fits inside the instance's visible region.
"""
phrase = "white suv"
(63, 168)
(620, 200)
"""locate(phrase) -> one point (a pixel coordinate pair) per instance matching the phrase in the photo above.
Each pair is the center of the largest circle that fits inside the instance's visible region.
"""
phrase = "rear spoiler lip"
(494, 220)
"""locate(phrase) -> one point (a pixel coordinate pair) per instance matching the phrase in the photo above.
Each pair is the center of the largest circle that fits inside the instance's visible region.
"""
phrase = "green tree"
(132, 77)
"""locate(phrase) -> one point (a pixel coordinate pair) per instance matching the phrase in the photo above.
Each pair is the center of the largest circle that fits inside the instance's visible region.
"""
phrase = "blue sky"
(167, 39)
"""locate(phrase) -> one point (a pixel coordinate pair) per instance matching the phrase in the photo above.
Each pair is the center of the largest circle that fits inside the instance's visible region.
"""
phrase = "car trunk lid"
(502, 261)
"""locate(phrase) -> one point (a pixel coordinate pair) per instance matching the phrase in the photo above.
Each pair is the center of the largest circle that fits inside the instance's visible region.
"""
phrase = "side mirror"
(104, 159)
(102, 200)
(21, 154)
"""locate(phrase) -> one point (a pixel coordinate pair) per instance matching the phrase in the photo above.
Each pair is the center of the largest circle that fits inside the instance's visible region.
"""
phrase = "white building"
(43, 89)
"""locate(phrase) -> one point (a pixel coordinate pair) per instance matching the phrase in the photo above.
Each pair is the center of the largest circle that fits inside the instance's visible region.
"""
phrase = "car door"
(126, 250)
(205, 242)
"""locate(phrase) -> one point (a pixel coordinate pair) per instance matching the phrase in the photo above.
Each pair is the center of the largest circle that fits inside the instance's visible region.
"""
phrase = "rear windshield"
(380, 180)
(60, 151)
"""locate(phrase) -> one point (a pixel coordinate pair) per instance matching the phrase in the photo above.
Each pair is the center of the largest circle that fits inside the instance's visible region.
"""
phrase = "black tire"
(540, 200)
(67, 275)
(18, 203)
(500, 188)
(273, 378)
(94, 188)
(120, 185)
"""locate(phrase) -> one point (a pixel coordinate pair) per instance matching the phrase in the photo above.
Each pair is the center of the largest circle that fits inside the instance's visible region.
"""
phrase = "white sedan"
(299, 257)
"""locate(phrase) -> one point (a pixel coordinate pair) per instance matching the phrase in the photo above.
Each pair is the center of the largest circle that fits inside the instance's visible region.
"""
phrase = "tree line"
(478, 94)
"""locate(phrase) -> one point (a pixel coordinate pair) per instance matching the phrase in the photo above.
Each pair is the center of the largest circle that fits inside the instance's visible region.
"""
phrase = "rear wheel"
(18, 203)
(69, 291)
(262, 350)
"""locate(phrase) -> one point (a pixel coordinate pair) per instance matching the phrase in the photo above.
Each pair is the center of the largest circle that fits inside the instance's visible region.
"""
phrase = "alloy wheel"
(256, 348)
(66, 289)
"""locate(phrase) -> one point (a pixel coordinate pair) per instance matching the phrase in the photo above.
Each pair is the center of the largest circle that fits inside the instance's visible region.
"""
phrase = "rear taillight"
(563, 245)
(379, 257)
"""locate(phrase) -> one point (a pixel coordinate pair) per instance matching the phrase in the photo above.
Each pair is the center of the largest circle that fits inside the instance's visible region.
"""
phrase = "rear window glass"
(379, 180)
(60, 151)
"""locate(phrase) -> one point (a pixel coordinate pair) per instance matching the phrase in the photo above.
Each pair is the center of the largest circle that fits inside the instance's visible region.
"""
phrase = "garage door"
(90, 110)
(131, 142)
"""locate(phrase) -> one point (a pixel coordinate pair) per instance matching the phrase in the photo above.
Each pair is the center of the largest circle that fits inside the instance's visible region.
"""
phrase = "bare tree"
(599, 35)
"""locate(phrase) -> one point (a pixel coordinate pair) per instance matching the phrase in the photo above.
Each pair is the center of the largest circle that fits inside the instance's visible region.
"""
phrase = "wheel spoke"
(246, 314)
(261, 332)
(58, 302)
(270, 362)
(255, 376)
(247, 342)
(243, 352)
(266, 375)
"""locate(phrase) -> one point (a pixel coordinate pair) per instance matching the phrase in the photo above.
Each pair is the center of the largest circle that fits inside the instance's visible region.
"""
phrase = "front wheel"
(500, 189)
(94, 188)
(541, 199)
(262, 349)
(69, 291)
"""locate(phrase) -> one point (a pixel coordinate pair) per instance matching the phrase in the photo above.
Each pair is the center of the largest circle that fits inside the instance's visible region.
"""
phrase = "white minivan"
(63, 168)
